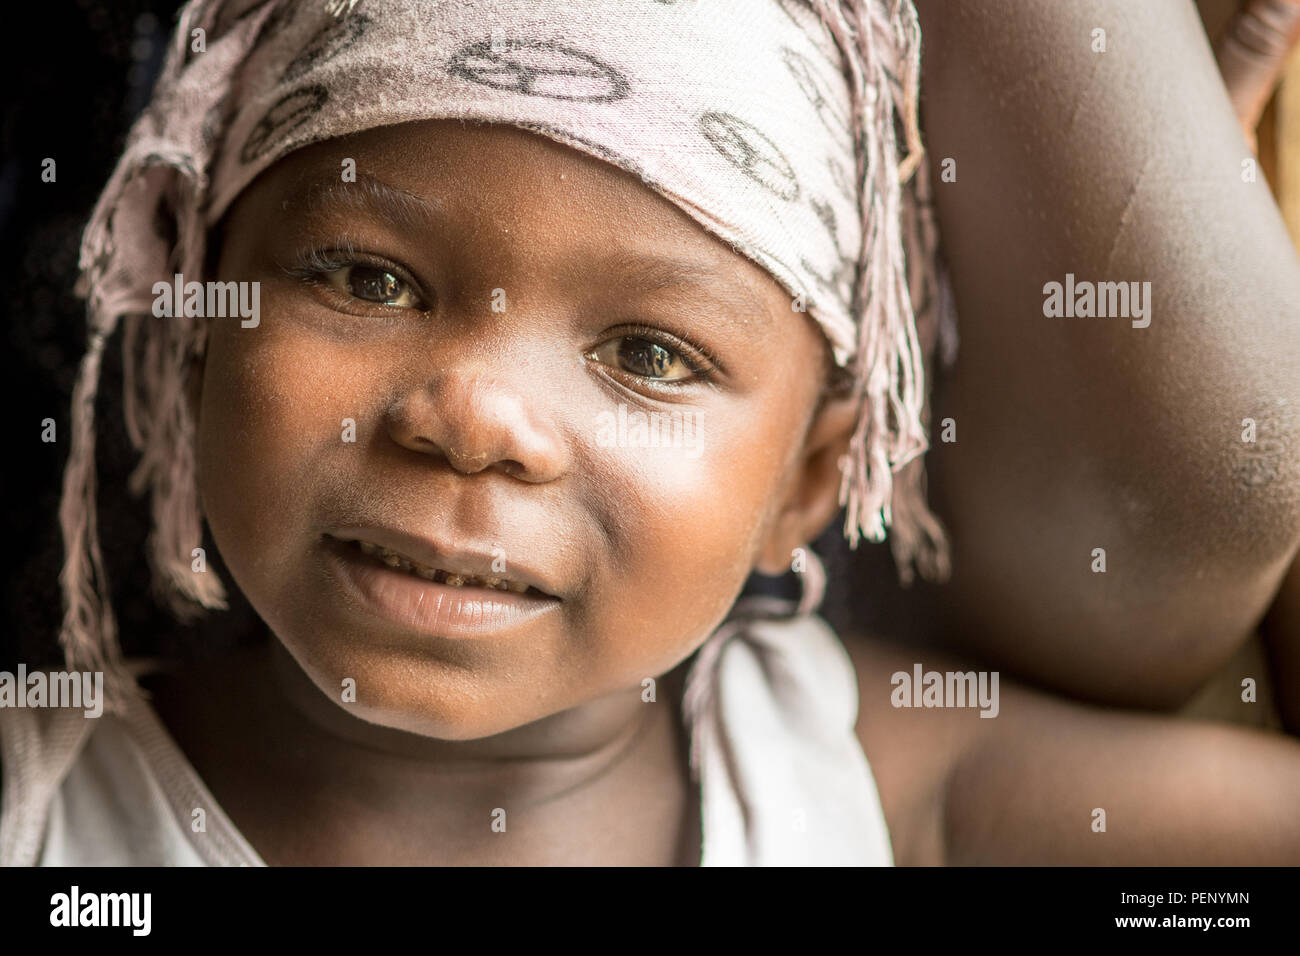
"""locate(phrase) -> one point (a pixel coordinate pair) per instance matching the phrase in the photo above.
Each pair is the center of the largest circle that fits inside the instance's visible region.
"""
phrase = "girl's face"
(468, 355)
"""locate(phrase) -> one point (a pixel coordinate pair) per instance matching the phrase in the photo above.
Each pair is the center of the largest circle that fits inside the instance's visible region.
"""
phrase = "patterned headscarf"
(788, 128)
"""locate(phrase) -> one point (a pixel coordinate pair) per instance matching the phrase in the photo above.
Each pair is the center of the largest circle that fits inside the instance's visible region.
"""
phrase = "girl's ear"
(813, 491)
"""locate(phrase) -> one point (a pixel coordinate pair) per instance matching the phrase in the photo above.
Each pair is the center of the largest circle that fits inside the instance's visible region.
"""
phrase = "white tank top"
(770, 704)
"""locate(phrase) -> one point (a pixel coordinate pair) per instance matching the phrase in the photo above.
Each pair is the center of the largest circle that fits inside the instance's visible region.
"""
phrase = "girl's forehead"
(438, 155)
(438, 173)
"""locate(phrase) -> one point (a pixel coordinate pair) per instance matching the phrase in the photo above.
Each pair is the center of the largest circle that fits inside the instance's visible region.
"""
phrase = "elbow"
(1223, 451)
(1251, 490)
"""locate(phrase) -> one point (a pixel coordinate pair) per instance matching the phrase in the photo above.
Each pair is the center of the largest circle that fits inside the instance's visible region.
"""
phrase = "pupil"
(647, 358)
(382, 285)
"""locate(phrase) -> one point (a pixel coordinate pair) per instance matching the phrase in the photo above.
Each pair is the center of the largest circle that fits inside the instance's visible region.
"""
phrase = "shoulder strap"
(37, 748)
(771, 703)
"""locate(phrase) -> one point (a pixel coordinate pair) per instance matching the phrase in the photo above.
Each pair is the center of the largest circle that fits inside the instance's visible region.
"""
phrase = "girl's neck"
(309, 783)
(591, 733)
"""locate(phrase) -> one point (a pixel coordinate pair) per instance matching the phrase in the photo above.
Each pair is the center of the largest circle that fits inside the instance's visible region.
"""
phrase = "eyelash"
(311, 263)
(702, 365)
(313, 259)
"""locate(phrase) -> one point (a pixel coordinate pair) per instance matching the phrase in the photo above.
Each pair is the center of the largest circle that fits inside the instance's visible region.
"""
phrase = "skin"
(1023, 788)
(1074, 434)
(438, 737)
(590, 774)
(550, 725)
(480, 426)
(1253, 48)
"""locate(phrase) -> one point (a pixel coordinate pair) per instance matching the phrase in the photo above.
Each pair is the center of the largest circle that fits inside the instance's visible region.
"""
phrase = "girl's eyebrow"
(639, 272)
(367, 195)
(649, 273)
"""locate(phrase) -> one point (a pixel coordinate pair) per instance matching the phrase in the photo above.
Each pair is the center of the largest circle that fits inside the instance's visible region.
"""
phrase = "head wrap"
(775, 124)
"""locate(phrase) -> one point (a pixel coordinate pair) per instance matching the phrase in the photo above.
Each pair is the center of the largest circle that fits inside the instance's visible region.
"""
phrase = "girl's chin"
(392, 693)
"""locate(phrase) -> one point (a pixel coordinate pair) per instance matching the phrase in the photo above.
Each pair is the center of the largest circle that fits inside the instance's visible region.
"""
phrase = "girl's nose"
(477, 417)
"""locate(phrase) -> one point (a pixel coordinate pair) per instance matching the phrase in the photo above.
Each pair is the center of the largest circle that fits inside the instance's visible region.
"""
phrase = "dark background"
(81, 71)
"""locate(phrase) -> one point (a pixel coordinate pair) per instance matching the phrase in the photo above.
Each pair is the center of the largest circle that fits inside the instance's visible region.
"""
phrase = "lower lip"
(437, 610)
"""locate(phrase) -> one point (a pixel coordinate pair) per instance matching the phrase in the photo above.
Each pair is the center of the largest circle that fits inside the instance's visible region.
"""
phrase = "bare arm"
(1252, 51)
(1075, 434)
(1024, 787)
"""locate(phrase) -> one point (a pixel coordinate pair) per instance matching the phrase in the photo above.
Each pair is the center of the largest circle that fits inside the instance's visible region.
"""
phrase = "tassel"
(881, 44)
(89, 634)
(158, 421)
(339, 9)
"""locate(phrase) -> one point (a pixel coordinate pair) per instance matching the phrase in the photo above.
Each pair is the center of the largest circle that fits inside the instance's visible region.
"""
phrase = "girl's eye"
(372, 284)
(647, 358)
(343, 271)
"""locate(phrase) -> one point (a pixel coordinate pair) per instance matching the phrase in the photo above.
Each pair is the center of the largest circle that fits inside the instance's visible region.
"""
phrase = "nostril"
(474, 432)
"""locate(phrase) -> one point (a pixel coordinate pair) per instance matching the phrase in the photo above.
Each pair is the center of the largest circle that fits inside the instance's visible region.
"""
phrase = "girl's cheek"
(687, 522)
(272, 413)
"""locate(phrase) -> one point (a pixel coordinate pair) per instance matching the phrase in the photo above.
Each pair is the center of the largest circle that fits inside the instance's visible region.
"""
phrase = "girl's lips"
(438, 610)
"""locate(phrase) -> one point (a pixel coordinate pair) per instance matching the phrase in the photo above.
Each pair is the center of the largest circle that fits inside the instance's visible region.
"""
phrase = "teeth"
(403, 563)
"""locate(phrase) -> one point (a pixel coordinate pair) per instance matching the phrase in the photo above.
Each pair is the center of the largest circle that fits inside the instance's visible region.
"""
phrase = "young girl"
(494, 253)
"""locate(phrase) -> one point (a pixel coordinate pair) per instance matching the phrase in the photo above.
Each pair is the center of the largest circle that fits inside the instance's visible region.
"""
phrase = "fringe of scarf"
(156, 356)
(881, 42)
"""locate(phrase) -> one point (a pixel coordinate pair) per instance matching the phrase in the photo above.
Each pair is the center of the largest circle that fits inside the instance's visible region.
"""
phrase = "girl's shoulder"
(770, 702)
(911, 745)
(37, 737)
(38, 748)
(109, 790)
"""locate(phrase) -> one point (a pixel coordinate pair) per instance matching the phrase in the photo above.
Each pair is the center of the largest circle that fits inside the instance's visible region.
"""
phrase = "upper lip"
(471, 562)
